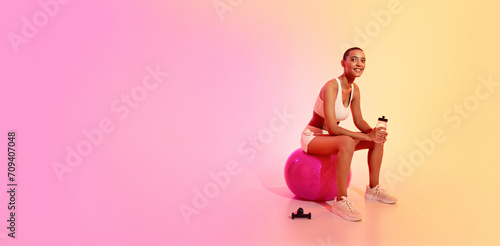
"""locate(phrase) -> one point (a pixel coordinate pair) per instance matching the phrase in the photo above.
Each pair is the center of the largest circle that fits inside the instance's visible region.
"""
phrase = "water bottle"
(382, 122)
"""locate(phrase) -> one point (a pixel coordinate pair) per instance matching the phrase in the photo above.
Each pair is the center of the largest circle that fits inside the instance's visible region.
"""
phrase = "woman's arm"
(359, 122)
(358, 117)
(330, 95)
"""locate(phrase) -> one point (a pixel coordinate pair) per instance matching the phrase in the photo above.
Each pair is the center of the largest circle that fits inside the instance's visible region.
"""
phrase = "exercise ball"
(312, 177)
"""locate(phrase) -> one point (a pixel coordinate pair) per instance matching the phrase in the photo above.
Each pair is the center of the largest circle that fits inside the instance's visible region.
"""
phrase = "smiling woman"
(324, 136)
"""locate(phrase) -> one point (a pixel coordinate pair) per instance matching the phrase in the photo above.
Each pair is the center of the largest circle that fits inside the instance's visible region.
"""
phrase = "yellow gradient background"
(422, 66)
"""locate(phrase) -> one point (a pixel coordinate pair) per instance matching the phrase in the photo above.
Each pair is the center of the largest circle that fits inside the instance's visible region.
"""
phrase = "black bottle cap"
(383, 119)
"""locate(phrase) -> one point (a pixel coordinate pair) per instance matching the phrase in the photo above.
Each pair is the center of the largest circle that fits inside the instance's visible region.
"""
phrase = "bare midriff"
(318, 121)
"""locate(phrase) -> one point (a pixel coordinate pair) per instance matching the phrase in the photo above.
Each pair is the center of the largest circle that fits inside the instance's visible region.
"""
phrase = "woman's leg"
(375, 154)
(343, 147)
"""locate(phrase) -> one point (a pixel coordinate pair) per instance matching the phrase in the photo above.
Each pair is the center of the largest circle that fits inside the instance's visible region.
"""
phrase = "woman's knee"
(346, 144)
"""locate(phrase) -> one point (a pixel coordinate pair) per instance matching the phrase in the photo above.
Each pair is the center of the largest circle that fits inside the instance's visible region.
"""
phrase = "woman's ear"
(342, 63)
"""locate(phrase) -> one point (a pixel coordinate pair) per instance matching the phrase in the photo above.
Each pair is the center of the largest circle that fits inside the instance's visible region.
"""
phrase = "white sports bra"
(341, 112)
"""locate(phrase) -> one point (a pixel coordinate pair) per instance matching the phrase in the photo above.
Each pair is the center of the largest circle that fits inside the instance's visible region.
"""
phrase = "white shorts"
(308, 134)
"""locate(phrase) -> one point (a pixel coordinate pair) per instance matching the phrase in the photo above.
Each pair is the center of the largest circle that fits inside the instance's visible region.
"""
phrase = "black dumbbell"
(300, 214)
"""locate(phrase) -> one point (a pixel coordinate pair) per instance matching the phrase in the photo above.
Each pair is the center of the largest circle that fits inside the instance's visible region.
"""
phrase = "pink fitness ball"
(312, 177)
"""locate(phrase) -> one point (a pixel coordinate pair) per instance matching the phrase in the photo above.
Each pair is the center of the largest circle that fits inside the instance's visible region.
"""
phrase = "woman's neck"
(346, 80)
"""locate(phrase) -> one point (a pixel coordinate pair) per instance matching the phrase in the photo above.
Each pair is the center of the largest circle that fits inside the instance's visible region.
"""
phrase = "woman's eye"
(363, 60)
(353, 59)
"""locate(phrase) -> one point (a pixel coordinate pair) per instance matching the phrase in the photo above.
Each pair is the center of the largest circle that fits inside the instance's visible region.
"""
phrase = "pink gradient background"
(226, 78)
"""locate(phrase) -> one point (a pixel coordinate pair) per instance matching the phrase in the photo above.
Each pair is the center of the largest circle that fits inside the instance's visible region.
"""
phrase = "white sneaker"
(378, 194)
(345, 210)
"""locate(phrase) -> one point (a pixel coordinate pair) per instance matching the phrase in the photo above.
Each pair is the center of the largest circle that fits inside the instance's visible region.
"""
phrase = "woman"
(323, 136)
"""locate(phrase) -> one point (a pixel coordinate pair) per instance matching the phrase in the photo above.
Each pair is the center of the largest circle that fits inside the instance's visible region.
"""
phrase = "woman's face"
(354, 64)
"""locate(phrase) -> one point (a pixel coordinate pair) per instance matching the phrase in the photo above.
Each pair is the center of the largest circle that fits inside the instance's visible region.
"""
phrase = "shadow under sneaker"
(378, 194)
(345, 210)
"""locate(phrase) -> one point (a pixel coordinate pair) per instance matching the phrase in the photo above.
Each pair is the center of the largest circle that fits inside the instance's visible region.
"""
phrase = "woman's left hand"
(382, 135)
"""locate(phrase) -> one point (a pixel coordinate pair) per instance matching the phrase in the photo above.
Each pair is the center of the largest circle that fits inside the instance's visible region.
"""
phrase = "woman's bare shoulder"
(355, 90)
(330, 86)
(355, 87)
